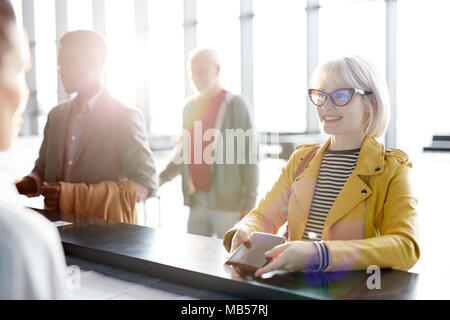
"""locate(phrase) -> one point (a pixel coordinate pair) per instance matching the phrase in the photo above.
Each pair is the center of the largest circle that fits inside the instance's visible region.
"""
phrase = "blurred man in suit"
(93, 137)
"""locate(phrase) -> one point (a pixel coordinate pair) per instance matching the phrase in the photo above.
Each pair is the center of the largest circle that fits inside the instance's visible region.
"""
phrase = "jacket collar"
(62, 124)
(371, 158)
(92, 122)
(89, 105)
(370, 161)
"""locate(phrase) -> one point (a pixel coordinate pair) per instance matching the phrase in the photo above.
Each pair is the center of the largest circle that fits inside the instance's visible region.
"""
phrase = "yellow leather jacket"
(372, 222)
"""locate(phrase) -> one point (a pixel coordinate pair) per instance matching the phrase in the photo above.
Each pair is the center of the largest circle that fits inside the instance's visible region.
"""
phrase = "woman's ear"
(372, 104)
(373, 101)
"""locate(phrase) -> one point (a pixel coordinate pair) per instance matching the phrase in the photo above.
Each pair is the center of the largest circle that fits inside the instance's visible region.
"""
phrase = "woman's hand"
(242, 235)
(291, 256)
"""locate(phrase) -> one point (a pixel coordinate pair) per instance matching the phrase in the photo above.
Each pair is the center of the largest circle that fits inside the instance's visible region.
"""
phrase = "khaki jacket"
(373, 221)
(108, 200)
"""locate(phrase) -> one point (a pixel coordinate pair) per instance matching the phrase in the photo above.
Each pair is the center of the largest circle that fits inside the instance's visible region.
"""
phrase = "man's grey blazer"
(113, 147)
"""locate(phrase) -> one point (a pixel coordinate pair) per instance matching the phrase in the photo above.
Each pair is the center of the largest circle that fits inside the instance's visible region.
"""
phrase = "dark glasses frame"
(352, 91)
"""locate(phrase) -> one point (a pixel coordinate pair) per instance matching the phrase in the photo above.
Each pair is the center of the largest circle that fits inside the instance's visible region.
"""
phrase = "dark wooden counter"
(199, 262)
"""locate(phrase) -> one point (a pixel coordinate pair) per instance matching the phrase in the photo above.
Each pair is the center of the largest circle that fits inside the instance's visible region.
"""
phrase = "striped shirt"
(334, 171)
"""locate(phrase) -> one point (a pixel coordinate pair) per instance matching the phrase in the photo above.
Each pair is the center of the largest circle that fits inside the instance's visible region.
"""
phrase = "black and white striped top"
(334, 171)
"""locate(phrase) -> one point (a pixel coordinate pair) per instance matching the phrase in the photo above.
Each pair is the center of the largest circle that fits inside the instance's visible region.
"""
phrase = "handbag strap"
(311, 153)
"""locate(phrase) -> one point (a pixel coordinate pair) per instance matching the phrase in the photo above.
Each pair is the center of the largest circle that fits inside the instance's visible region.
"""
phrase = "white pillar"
(61, 27)
(246, 18)
(99, 25)
(31, 114)
(190, 36)
(391, 69)
(312, 56)
(142, 43)
(98, 16)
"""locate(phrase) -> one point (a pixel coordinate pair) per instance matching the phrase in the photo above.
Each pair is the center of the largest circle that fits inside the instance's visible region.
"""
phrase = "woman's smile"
(331, 118)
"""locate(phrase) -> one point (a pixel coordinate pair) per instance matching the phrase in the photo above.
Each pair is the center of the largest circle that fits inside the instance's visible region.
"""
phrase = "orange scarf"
(207, 111)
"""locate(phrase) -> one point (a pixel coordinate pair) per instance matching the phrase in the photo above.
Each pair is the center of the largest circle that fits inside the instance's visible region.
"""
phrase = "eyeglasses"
(339, 97)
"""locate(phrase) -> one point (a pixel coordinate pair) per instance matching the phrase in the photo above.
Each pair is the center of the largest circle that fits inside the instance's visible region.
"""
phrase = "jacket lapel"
(61, 130)
(222, 110)
(219, 132)
(355, 190)
(302, 192)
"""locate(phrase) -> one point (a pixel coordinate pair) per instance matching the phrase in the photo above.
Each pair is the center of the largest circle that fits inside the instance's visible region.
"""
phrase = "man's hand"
(27, 186)
(51, 193)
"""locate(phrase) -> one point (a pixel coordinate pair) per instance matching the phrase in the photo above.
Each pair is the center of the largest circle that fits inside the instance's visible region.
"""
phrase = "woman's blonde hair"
(357, 72)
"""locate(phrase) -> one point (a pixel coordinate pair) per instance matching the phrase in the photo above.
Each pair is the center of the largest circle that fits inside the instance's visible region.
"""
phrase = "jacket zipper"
(365, 211)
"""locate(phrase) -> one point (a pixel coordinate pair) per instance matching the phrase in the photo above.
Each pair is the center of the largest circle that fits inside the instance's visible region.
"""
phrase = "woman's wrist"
(315, 257)
(322, 259)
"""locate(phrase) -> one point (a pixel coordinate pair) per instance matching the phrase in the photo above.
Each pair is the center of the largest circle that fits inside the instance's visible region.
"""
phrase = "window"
(219, 29)
(353, 27)
(121, 65)
(46, 60)
(164, 67)
(422, 72)
(79, 15)
(280, 65)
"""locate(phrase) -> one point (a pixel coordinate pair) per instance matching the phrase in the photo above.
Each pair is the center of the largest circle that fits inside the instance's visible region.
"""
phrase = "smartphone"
(251, 257)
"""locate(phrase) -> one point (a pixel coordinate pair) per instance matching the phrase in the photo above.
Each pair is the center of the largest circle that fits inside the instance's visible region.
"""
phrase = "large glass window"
(164, 67)
(219, 28)
(353, 27)
(79, 14)
(280, 65)
(423, 64)
(122, 63)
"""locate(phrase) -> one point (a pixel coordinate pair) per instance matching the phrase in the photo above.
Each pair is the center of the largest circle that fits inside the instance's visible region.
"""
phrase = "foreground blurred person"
(32, 263)
(352, 205)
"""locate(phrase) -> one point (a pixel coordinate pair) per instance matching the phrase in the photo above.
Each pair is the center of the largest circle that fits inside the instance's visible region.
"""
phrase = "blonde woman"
(352, 206)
